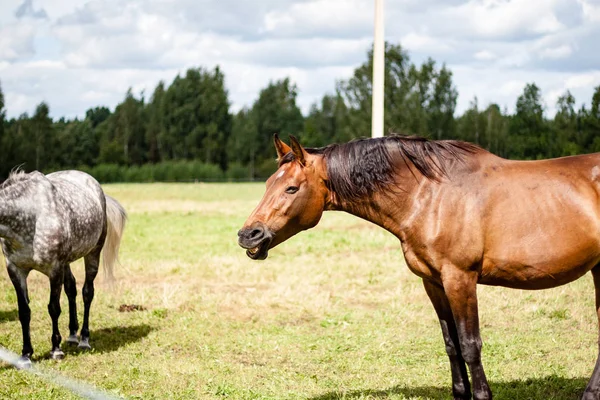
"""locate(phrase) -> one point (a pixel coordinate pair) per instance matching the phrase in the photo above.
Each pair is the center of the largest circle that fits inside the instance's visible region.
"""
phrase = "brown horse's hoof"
(57, 354)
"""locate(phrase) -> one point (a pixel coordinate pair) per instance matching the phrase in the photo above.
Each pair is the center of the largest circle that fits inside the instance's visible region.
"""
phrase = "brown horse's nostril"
(256, 233)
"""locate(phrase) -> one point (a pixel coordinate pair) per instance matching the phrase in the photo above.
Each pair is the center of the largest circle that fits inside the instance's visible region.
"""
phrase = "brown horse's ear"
(282, 148)
(298, 150)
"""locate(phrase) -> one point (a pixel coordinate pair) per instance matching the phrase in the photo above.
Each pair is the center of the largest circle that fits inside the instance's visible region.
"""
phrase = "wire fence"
(82, 389)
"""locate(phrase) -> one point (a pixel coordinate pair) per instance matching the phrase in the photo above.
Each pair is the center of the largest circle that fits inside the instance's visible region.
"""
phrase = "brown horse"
(463, 216)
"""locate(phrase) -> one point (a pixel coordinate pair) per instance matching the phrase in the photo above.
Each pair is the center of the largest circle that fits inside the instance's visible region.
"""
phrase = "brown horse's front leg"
(461, 289)
(461, 389)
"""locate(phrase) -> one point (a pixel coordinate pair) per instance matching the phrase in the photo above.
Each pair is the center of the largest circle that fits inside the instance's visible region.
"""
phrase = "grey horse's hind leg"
(92, 261)
(18, 277)
(56, 283)
(71, 291)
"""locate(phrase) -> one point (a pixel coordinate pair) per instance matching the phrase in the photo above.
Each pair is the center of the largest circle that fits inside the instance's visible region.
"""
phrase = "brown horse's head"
(295, 198)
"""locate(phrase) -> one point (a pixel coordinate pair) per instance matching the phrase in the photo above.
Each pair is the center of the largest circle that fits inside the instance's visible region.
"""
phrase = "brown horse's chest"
(430, 245)
(423, 260)
(418, 265)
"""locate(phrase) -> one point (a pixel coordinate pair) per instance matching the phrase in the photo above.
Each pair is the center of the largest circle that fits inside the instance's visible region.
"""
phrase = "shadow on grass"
(547, 388)
(102, 340)
(7, 316)
(110, 339)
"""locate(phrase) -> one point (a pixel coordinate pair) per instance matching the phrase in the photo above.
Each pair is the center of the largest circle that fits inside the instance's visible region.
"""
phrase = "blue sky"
(76, 54)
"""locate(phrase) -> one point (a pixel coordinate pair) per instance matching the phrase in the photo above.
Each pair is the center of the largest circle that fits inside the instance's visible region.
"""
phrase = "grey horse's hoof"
(73, 339)
(84, 344)
(57, 354)
(23, 363)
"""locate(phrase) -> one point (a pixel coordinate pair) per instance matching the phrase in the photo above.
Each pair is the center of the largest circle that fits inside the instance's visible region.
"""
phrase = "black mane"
(361, 167)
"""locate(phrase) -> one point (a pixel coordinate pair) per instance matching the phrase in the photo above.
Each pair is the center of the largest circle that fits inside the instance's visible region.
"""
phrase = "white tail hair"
(115, 224)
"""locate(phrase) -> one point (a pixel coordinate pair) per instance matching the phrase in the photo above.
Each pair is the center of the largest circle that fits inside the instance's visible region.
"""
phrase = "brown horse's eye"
(291, 189)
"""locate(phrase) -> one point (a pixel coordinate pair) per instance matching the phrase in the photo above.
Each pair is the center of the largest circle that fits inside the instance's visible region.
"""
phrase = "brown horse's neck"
(393, 187)
(389, 209)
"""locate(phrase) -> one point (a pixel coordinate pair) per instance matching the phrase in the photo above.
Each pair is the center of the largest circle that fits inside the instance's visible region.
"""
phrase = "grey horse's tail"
(115, 224)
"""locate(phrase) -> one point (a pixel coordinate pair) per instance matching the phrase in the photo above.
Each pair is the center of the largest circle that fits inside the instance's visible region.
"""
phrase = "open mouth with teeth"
(259, 252)
(256, 240)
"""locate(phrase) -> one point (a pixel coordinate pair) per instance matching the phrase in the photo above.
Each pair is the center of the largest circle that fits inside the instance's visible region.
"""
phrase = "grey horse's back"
(78, 178)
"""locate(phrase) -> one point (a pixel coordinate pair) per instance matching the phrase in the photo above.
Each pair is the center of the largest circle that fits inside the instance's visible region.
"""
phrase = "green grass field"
(333, 313)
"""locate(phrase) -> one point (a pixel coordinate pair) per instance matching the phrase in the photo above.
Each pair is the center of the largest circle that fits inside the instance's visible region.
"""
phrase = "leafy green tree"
(216, 118)
(441, 105)
(242, 147)
(21, 142)
(155, 128)
(487, 128)
(77, 144)
(122, 134)
(357, 92)
(588, 137)
(41, 127)
(275, 111)
(417, 100)
(2, 113)
(97, 115)
(528, 130)
(594, 116)
(471, 123)
(566, 127)
(328, 123)
(5, 139)
(196, 112)
(496, 130)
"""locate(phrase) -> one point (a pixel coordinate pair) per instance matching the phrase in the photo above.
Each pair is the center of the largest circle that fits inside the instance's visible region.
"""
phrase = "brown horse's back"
(540, 221)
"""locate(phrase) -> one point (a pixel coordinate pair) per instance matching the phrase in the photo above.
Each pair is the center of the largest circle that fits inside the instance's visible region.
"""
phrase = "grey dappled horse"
(47, 222)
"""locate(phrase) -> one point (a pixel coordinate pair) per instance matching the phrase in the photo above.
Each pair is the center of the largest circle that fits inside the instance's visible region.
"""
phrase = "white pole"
(378, 72)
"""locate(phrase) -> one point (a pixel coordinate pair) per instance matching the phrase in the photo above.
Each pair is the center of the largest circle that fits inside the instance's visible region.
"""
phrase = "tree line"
(186, 130)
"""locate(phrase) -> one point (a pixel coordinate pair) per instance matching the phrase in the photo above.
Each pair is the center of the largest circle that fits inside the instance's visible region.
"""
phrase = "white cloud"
(17, 41)
(424, 43)
(506, 19)
(591, 10)
(583, 80)
(558, 52)
(485, 55)
(332, 17)
(57, 8)
(88, 52)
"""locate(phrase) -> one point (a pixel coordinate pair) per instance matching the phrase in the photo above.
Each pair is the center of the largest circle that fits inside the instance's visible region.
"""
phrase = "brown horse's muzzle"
(256, 239)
